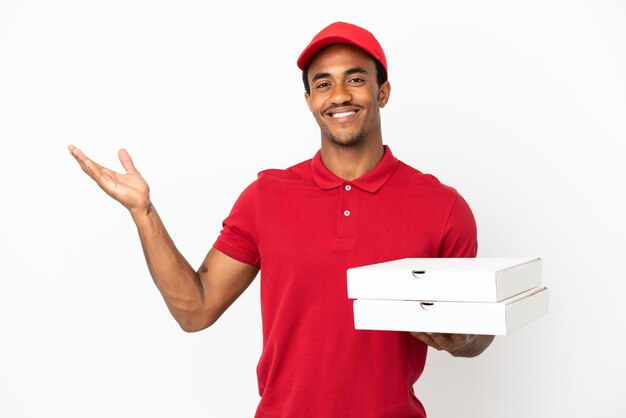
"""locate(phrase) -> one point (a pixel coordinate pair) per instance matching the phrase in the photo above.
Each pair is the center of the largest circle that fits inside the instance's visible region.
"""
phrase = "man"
(352, 204)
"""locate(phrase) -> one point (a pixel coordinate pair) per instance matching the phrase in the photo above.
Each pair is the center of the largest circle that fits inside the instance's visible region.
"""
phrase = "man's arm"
(196, 299)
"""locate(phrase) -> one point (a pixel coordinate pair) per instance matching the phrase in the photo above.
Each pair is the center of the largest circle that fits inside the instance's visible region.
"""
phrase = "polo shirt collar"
(371, 181)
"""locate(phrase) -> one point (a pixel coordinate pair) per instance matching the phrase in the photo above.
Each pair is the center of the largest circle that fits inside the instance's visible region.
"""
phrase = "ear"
(307, 97)
(383, 94)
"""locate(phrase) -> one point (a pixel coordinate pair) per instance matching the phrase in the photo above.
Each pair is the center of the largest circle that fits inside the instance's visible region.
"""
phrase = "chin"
(347, 141)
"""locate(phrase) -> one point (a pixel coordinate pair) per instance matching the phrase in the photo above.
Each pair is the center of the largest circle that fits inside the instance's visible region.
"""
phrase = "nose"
(341, 94)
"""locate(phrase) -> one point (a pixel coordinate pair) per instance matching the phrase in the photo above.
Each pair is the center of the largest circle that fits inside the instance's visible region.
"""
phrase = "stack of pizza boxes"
(491, 296)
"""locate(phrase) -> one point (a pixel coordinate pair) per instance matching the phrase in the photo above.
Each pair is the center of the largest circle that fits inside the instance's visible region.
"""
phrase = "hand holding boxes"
(491, 296)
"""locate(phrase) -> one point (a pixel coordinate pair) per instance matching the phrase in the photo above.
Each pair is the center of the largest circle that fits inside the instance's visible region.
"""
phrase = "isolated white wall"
(521, 107)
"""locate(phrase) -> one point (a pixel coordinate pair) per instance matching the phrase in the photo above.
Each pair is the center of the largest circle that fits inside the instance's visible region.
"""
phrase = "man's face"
(345, 98)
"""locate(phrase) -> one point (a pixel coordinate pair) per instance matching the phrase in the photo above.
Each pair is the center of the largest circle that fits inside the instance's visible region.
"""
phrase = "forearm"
(177, 281)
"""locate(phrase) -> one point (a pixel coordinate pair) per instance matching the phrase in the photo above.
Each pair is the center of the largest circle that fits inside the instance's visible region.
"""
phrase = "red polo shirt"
(304, 227)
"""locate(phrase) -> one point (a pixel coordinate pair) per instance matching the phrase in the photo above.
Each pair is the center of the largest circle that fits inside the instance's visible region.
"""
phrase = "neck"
(349, 163)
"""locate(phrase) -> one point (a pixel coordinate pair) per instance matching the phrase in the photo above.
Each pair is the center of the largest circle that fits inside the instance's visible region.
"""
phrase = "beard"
(347, 141)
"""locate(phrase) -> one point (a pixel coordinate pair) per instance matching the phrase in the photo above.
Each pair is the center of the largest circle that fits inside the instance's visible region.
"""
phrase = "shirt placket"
(347, 211)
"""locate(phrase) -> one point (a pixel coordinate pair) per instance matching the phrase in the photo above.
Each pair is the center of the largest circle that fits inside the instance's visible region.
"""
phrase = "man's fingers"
(76, 153)
(102, 176)
(455, 344)
(441, 341)
(452, 342)
(82, 160)
(444, 341)
(126, 161)
(426, 339)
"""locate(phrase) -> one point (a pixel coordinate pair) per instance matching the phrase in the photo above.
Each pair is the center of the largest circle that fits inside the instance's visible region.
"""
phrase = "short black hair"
(381, 75)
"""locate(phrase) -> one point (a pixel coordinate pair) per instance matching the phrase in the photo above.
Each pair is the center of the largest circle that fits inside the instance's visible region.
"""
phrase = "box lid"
(486, 279)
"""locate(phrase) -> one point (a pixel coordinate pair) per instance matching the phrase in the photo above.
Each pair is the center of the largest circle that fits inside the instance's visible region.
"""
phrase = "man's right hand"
(196, 299)
(130, 189)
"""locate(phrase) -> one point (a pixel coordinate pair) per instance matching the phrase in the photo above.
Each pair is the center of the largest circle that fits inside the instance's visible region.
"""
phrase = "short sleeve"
(238, 237)
(459, 237)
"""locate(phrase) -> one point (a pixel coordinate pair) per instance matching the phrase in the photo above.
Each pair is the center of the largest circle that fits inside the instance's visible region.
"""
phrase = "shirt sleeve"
(238, 237)
(459, 237)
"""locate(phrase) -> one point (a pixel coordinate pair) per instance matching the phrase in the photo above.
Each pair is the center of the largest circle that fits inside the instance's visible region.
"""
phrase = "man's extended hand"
(130, 189)
(459, 345)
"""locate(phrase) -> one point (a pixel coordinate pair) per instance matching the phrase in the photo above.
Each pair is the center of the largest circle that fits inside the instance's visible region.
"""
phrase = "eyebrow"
(354, 70)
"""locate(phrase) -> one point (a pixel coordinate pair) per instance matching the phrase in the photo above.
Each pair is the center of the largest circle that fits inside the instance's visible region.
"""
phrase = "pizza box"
(445, 279)
(486, 318)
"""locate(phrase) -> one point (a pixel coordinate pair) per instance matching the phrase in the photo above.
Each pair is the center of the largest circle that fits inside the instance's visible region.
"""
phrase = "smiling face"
(345, 98)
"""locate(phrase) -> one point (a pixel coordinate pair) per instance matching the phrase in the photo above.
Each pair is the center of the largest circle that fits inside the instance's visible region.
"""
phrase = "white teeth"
(343, 114)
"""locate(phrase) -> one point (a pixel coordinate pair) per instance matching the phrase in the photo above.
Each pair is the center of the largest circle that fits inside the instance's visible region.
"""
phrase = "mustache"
(337, 106)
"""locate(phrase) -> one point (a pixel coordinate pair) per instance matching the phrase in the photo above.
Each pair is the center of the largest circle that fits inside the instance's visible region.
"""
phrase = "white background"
(521, 106)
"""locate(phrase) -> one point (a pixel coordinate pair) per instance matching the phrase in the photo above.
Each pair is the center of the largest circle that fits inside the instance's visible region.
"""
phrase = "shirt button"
(348, 187)
(346, 213)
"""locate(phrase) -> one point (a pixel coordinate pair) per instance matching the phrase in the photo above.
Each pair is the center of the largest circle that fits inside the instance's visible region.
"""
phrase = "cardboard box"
(445, 279)
(452, 317)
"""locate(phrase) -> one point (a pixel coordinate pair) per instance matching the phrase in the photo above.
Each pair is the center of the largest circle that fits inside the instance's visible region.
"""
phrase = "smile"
(342, 114)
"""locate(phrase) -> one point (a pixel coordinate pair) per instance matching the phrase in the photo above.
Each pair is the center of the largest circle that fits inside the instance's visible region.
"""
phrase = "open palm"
(130, 189)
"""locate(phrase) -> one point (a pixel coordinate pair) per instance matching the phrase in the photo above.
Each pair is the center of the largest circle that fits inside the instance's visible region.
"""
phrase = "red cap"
(342, 33)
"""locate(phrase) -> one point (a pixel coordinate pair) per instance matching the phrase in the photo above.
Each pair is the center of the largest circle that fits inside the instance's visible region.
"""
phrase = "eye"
(322, 85)
(356, 80)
